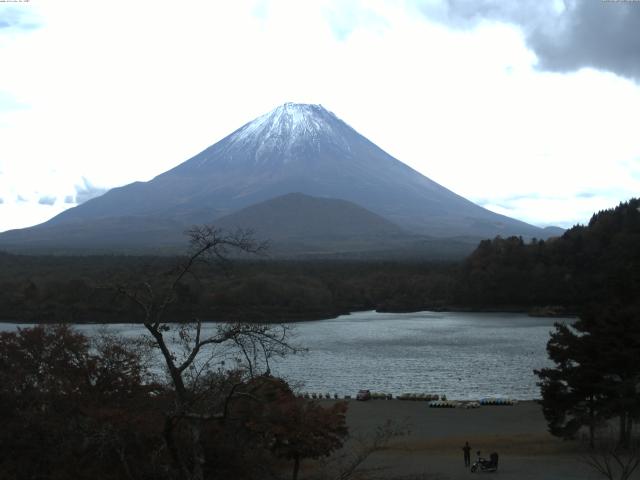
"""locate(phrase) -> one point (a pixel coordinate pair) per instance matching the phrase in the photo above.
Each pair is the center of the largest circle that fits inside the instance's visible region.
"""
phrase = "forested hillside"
(592, 263)
(587, 264)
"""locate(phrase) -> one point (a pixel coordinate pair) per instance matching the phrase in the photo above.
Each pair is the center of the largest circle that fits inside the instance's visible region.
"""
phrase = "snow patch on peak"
(288, 130)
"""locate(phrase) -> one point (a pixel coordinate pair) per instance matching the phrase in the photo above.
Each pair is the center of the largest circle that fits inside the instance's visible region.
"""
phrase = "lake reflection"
(462, 355)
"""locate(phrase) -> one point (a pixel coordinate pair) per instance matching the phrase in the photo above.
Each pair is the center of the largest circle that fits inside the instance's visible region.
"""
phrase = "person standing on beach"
(467, 454)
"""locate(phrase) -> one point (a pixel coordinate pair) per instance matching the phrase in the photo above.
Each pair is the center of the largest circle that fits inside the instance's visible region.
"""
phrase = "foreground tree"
(616, 332)
(72, 407)
(305, 429)
(597, 374)
(572, 395)
(189, 351)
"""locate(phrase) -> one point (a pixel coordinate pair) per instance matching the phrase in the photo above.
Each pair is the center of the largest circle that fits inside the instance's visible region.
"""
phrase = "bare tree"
(612, 461)
(187, 348)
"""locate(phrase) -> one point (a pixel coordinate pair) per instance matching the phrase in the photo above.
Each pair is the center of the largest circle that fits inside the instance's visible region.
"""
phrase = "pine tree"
(572, 392)
(597, 373)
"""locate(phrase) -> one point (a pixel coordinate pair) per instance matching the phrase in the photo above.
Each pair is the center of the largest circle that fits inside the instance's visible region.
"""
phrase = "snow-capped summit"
(287, 124)
(290, 132)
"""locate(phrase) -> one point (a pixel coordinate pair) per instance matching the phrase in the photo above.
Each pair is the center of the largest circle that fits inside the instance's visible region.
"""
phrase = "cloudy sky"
(530, 108)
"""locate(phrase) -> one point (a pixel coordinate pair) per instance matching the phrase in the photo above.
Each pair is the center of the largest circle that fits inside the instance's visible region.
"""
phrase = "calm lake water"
(462, 355)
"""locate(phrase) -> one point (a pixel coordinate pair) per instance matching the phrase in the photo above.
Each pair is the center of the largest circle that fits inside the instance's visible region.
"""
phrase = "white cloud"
(116, 93)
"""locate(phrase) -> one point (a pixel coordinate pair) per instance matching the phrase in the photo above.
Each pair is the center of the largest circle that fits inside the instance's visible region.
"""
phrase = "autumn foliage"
(71, 407)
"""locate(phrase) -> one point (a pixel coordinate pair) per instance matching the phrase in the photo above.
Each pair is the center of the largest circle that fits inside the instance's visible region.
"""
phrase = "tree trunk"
(623, 430)
(173, 449)
(197, 450)
(296, 466)
(592, 423)
(197, 471)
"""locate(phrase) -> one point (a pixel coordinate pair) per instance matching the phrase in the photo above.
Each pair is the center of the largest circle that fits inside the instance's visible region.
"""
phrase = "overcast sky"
(530, 108)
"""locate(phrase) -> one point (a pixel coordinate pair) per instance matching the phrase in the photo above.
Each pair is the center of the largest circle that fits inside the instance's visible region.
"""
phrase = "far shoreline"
(536, 312)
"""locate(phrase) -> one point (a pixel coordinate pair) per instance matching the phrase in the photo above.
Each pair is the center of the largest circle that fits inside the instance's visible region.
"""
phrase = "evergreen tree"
(572, 392)
(597, 373)
(615, 331)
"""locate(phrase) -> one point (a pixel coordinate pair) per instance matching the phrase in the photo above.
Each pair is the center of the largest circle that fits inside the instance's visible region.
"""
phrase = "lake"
(461, 355)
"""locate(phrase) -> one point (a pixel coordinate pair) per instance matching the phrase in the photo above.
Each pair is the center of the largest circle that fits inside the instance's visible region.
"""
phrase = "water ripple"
(462, 355)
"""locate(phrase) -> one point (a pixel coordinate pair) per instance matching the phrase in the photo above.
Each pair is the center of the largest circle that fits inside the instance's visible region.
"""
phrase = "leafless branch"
(613, 462)
(257, 342)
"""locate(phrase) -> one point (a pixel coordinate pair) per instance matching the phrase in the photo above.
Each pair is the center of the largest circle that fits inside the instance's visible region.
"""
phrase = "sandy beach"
(433, 446)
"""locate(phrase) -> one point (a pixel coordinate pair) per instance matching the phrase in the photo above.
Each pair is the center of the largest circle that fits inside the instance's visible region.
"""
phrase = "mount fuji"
(295, 148)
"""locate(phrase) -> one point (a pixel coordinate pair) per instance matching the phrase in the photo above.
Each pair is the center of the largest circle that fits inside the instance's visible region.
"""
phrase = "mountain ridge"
(299, 216)
(294, 148)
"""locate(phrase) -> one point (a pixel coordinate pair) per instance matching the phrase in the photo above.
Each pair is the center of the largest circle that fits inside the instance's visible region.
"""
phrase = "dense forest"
(587, 264)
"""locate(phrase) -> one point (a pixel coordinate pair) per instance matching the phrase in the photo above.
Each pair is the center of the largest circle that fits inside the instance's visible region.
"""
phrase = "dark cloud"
(69, 199)
(602, 35)
(1, 201)
(87, 191)
(566, 35)
(47, 200)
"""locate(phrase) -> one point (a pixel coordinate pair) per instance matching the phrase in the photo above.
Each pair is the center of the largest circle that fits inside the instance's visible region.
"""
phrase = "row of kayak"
(453, 404)
(426, 397)
(472, 404)
(498, 401)
(435, 401)
(320, 396)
